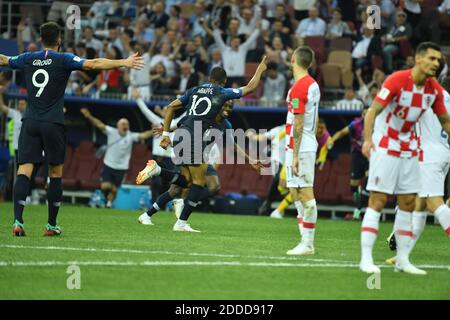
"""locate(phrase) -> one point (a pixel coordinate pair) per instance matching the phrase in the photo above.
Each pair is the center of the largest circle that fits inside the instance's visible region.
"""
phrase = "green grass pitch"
(235, 257)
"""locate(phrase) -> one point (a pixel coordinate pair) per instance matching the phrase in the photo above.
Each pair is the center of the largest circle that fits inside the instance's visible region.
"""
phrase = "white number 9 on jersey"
(40, 85)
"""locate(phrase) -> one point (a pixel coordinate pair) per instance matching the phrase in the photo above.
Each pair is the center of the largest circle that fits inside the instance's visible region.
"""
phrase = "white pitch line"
(189, 263)
(172, 263)
(194, 254)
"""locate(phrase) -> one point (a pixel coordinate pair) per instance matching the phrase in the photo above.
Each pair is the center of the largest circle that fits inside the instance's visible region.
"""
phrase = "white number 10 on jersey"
(196, 103)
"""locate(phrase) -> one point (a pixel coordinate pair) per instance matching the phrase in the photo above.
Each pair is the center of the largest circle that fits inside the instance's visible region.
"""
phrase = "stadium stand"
(139, 25)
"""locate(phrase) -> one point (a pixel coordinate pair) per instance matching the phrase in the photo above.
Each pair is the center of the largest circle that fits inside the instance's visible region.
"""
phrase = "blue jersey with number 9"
(204, 102)
(46, 75)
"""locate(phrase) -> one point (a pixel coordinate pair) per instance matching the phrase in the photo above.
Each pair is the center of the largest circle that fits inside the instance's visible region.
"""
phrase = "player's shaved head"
(218, 75)
(303, 56)
(50, 34)
(423, 47)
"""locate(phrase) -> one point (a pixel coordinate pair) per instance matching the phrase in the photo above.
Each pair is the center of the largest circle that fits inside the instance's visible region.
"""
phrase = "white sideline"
(190, 263)
(326, 263)
(171, 263)
(137, 251)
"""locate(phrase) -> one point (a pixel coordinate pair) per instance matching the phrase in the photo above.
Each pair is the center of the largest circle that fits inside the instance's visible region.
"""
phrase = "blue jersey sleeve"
(228, 124)
(185, 98)
(72, 62)
(18, 62)
(232, 93)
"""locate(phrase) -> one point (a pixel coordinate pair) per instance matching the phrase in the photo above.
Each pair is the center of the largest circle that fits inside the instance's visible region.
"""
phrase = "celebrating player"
(203, 103)
(176, 190)
(301, 146)
(46, 75)
(391, 144)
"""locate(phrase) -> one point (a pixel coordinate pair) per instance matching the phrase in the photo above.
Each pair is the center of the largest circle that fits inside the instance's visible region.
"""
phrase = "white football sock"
(403, 235)
(443, 215)
(309, 222)
(299, 207)
(419, 220)
(369, 232)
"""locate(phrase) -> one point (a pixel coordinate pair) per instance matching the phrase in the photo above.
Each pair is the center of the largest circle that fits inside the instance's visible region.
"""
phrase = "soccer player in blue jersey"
(202, 103)
(46, 73)
(176, 190)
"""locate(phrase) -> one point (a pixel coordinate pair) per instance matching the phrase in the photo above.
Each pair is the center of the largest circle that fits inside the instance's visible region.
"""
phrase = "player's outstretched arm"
(339, 135)
(4, 60)
(132, 62)
(256, 164)
(369, 121)
(171, 108)
(254, 82)
(95, 122)
(145, 135)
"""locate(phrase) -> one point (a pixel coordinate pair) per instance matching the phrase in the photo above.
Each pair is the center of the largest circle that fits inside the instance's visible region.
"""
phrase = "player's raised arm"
(254, 82)
(95, 122)
(132, 62)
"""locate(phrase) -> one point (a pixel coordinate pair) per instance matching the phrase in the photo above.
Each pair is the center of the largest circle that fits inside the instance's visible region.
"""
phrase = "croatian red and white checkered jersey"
(303, 98)
(433, 140)
(395, 126)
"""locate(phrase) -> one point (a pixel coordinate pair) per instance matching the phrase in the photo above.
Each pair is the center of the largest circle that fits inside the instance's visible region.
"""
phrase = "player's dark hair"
(218, 75)
(304, 56)
(50, 34)
(423, 47)
(322, 121)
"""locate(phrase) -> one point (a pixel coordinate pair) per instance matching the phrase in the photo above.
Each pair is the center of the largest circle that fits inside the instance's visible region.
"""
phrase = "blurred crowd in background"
(182, 40)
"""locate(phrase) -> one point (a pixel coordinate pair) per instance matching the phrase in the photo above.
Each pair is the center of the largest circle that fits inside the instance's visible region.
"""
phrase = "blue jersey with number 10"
(46, 74)
(204, 102)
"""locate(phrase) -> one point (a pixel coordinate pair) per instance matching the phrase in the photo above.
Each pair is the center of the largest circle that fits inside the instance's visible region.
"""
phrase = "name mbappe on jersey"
(204, 102)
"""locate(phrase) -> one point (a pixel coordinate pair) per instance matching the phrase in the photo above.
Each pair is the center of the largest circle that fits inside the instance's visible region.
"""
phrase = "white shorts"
(393, 175)
(432, 179)
(307, 163)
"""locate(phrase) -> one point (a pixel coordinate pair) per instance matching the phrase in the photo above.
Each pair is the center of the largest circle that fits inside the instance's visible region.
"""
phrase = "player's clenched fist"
(165, 142)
